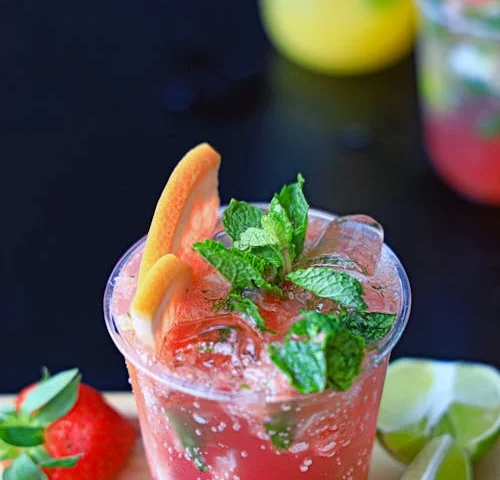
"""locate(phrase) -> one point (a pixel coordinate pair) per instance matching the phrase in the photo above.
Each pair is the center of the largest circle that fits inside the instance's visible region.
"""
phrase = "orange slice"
(153, 307)
(187, 209)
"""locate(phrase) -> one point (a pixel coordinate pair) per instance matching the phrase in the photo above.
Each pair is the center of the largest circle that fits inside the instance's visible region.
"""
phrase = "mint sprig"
(335, 285)
(318, 353)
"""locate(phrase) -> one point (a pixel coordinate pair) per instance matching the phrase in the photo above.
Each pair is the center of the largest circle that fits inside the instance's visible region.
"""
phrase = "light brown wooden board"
(383, 466)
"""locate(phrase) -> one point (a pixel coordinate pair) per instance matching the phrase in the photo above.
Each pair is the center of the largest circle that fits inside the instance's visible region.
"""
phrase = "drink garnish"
(322, 350)
(319, 352)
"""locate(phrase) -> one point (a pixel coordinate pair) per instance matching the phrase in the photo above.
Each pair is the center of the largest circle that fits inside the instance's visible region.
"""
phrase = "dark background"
(98, 102)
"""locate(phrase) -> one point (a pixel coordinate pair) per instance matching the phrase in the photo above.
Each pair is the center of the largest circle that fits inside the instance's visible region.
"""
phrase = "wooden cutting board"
(383, 466)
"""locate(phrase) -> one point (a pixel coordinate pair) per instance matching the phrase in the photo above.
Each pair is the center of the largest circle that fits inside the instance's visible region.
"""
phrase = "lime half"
(440, 459)
(424, 399)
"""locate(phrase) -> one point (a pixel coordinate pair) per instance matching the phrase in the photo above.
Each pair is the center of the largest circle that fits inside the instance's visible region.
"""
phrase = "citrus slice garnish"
(187, 209)
(153, 310)
(440, 459)
(424, 399)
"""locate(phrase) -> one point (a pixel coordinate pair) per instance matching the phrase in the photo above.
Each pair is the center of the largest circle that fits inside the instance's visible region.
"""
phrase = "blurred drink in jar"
(341, 37)
(459, 73)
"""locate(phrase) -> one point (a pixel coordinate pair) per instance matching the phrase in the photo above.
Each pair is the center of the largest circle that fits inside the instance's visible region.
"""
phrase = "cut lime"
(440, 459)
(424, 399)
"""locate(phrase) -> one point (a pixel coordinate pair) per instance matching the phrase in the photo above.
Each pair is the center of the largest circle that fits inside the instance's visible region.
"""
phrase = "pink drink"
(213, 406)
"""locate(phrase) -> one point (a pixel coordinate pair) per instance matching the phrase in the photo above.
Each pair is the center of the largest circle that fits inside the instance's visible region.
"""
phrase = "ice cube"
(219, 344)
(351, 243)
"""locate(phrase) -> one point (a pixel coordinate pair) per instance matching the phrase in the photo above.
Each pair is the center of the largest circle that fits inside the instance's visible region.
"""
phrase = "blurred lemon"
(341, 36)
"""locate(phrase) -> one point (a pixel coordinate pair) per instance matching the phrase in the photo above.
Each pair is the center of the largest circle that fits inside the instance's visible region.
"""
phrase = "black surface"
(99, 100)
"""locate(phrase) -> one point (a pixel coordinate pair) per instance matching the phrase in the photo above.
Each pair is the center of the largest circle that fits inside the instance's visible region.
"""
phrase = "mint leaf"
(292, 199)
(255, 237)
(319, 353)
(235, 302)
(47, 390)
(242, 269)
(277, 223)
(23, 468)
(280, 430)
(332, 284)
(63, 462)
(60, 405)
(21, 435)
(371, 326)
(239, 216)
(489, 127)
(185, 429)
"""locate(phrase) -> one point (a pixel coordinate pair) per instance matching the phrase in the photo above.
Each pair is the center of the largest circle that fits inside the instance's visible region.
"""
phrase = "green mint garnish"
(280, 430)
(237, 303)
(323, 350)
(185, 429)
(371, 326)
(243, 270)
(332, 284)
(239, 216)
(319, 353)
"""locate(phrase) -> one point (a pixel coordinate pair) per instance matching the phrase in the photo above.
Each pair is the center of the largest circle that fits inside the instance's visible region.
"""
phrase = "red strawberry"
(91, 428)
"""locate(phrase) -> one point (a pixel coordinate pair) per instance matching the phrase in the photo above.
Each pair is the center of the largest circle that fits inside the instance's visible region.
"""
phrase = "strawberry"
(63, 430)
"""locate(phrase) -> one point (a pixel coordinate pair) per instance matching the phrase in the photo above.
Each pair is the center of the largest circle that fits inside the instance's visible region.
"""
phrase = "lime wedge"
(424, 399)
(440, 459)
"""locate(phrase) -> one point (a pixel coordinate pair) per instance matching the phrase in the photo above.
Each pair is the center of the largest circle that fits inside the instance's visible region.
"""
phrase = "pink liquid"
(210, 430)
(468, 161)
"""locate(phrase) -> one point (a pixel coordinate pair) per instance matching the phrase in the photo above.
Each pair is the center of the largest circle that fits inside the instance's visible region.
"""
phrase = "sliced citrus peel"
(153, 308)
(187, 210)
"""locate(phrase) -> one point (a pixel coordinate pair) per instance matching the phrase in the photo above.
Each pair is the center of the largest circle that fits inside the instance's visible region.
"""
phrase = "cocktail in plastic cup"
(459, 70)
(217, 408)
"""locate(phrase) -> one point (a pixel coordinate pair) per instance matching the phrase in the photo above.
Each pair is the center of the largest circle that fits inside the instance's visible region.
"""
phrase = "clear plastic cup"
(195, 432)
(459, 77)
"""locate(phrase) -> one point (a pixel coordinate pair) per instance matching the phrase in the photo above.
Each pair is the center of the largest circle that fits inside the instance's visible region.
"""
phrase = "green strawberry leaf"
(371, 326)
(292, 199)
(45, 391)
(239, 216)
(24, 468)
(63, 462)
(332, 284)
(242, 269)
(21, 435)
(318, 353)
(185, 429)
(7, 451)
(59, 405)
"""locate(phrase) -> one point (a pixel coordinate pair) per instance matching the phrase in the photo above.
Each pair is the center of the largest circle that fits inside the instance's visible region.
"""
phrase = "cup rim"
(457, 22)
(172, 381)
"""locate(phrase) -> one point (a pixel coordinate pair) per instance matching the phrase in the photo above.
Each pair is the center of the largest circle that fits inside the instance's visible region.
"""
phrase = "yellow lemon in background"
(343, 37)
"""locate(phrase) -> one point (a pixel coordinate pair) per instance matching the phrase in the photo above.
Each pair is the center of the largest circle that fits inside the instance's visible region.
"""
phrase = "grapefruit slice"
(153, 310)
(187, 209)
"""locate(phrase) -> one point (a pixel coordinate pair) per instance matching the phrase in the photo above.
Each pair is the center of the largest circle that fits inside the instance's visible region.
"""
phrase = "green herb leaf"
(235, 302)
(292, 199)
(24, 468)
(489, 127)
(371, 326)
(277, 223)
(63, 462)
(332, 284)
(255, 237)
(242, 269)
(21, 435)
(185, 429)
(319, 353)
(239, 216)
(60, 405)
(45, 391)
(280, 430)
(7, 451)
